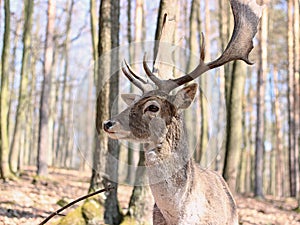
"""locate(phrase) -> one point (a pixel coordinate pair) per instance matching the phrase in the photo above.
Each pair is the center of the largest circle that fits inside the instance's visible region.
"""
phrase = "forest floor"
(27, 201)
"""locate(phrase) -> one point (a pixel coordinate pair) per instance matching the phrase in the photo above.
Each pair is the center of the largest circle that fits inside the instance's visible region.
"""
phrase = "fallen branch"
(73, 202)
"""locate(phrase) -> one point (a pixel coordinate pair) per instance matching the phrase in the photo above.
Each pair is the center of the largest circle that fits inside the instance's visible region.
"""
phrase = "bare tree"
(279, 179)
(20, 120)
(102, 107)
(112, 214)
(234, 134)
(261, 76)
(4, 142)
(42, 160)
(291, 102)
(296, 36)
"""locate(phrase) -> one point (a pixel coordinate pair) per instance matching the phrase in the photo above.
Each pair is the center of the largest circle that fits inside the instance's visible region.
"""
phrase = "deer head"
(147, 117)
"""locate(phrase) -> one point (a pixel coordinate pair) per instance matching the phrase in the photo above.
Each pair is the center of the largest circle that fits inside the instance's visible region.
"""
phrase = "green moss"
(297, 210)
(92, 211)
(128, 220)
(74, 217)
(62, 202)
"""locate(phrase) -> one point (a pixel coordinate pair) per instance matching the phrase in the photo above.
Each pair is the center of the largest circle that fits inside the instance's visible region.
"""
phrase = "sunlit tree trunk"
(20, 120)
(42, 160)
(4, 142)
(297, 94)
(165, 7)
(261, 76)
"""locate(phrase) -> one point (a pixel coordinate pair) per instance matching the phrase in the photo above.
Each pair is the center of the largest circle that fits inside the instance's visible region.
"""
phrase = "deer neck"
(169, 168)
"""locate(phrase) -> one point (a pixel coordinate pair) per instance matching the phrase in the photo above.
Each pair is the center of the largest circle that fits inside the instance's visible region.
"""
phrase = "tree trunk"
(63, 124)
(20, 119)
(234, 134)
(138, 205)
(4, 141)
(112, 214)
(261, 76)
(279, 183)
(42, 160)
(297, 94)
(166, 13)
(102, 107)
(291, 103)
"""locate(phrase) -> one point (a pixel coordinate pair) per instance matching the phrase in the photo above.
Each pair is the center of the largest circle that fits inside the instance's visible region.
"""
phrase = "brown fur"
(184, 193)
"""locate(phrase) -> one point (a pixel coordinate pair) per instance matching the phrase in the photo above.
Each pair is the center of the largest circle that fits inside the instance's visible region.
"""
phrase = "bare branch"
(73, 202)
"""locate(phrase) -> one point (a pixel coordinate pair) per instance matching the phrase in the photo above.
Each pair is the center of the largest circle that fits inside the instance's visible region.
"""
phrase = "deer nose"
(108, 124)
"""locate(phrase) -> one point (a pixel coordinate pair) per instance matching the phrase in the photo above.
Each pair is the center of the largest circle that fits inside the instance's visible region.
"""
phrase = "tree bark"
(166, 20)
(4, 141)
(279, 167)
(291, 103)
(102, 107)
(23, 90)
(112, 214)
(297, 94)
(42, 158)
(261, 76)
(234, 134)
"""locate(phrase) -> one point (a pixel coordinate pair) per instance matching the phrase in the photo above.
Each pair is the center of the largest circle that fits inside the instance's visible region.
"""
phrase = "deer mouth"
(117, 134)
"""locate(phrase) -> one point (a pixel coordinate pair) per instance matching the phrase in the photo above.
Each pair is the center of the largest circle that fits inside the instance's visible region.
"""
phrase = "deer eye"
(152, 108)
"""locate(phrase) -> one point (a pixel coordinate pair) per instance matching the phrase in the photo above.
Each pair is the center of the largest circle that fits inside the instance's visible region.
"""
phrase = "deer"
(184, 193)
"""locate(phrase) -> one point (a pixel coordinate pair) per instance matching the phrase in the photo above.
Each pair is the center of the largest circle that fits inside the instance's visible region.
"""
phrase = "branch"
(73, 202)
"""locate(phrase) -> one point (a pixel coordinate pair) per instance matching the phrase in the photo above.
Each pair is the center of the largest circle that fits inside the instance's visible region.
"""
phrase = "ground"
(28, 200)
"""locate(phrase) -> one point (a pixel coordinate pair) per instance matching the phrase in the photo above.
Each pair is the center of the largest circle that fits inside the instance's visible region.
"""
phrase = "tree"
(62, 141)
(112, 214)
(4, 142)
(23, 90)
(291, 103)
(42, 160)
(261, 76)
(279, 179)
(166, 8)
(234, 135)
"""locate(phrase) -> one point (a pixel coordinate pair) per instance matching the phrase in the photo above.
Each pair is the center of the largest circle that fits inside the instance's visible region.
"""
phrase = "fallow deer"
(183, 192)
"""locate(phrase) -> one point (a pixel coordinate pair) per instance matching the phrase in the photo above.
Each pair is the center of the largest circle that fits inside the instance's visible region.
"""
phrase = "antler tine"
(246, 18)
(132, 80)
(133, 73)
(152, 77)
(200, 69)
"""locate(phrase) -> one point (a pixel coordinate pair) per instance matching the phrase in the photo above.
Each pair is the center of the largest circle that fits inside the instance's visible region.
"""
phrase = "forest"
(61, 78)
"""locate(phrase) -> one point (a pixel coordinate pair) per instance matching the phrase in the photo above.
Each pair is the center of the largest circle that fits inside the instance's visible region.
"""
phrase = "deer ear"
(185, 96)
(129, 98)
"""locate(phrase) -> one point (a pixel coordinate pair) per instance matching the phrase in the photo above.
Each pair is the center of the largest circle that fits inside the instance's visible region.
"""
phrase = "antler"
(246, 18)
(143, 85)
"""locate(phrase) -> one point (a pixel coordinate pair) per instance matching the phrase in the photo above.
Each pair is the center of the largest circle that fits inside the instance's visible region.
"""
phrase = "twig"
(73, 202)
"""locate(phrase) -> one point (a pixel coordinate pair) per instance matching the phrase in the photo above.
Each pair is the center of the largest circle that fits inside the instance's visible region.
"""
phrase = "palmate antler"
(246, 18)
